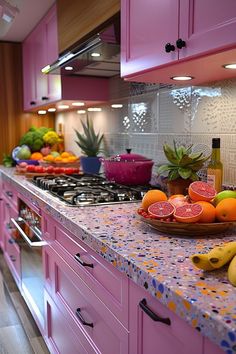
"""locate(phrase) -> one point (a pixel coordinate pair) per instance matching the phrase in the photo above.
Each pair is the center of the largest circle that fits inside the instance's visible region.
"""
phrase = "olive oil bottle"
(215, 167)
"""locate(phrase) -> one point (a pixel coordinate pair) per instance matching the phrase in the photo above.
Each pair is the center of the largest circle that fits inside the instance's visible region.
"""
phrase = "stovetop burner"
(84, 190)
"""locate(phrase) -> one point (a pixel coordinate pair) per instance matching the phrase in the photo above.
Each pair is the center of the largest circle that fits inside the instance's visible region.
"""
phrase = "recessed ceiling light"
(51, 109)
(94, 54)
(230, 66)
(63, 106)
(78, 104)
(94, 109)
(81, 111)
(69, 68)
(182, 78)
(42, 112)
(117, 105)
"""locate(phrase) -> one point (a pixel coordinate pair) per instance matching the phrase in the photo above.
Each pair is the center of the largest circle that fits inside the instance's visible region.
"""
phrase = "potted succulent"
(90, 144)
(182, 167)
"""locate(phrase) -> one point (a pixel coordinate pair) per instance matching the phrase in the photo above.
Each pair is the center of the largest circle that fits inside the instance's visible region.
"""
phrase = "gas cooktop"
(89, 190)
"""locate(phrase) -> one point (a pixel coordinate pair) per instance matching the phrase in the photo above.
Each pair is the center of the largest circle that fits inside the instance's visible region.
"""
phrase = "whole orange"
(153, 196)
(226, 210)
(209, 212)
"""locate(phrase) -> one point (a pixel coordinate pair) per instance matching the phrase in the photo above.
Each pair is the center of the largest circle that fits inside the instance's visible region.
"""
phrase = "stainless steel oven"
(28, 236)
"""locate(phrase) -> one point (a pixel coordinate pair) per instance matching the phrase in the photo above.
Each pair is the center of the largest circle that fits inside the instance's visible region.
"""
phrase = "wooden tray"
(184, 229)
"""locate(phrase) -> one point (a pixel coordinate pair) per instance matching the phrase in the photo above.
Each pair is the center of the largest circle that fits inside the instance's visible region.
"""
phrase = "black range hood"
(97, 56)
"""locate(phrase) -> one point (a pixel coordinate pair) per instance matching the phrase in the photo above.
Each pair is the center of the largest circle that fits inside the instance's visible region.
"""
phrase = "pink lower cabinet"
(154, 329)
(97, 329)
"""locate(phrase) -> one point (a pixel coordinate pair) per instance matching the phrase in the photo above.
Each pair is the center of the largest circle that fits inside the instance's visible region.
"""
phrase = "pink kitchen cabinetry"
(169, 335)
(149, 48)
(40, 48)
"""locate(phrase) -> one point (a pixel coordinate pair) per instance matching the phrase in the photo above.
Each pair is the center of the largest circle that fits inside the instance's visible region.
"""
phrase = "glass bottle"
(215, 167)
(61, 144)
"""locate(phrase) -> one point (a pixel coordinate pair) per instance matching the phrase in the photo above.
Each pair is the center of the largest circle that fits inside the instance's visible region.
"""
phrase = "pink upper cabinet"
(206, 26)
(146, 29)
(205, 30)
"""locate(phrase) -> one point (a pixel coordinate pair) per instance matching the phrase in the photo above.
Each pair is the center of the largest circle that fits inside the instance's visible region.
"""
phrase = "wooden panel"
(13, 122)
(78, 18)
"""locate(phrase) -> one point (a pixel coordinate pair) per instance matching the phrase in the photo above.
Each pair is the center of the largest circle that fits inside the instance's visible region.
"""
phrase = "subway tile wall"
(154, 114)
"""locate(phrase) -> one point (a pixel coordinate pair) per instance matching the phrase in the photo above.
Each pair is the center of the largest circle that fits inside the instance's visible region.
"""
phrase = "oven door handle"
(25, 237)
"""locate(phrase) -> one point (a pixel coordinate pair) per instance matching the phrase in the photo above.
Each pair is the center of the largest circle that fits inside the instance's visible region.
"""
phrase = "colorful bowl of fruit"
(201, 212)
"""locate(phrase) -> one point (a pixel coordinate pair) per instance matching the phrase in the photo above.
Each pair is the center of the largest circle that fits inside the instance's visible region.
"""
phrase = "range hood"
(98, 56)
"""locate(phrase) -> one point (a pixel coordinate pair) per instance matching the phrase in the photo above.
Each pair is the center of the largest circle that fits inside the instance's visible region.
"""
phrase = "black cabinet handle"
(44, 98)
(32, 103)
(9, 194)
(84, 264)
(150, 313)
(169, 48)
(81, 319)
(180, 43)
(11, 241)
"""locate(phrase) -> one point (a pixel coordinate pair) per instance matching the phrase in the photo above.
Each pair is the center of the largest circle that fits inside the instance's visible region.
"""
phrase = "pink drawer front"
(87, 312)
(12, 255)
(109, 284)
(60, 337)
(9, 194)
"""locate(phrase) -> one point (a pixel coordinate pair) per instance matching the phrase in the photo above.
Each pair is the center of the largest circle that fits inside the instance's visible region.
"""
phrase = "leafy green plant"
(183, 163)
(89, 142)
(8, 161)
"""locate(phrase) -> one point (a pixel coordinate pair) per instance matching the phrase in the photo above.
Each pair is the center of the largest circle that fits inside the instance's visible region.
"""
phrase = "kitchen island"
(156, 262)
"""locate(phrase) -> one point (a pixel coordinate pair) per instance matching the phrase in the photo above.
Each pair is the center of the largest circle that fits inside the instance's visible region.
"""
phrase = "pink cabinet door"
(146, 28)
(206, 26)
(60, 337)
(149, 336)
(29, 80)
(51, 43)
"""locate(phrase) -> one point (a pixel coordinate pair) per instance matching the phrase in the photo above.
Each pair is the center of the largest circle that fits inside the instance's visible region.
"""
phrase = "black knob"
(32, 103)
(44, 98)
(128, 151)
(180, 43)
(169, 48)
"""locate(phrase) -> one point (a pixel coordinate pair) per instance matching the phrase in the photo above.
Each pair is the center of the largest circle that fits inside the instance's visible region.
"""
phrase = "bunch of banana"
(217, 258)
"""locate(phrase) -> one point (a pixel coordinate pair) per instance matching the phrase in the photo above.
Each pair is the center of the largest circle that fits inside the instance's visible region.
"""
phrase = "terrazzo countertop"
(157, 262)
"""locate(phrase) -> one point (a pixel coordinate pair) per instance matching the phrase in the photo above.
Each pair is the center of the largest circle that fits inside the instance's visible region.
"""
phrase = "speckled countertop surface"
(157, 262)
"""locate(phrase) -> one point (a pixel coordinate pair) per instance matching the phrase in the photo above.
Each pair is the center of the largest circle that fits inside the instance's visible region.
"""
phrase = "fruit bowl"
(75, 164)
(190, 229)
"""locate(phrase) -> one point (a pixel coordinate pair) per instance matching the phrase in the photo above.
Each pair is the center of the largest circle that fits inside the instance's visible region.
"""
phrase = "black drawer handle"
(180, 43)
(9, 194)
(13, 259)
(45, 98)
(11, 241)
(169, 48)
(150, 313)
(32, 103)
(81, 319)
(84, 264)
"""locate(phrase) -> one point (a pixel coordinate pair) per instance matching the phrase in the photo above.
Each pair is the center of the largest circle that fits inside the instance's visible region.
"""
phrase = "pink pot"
(130, 169)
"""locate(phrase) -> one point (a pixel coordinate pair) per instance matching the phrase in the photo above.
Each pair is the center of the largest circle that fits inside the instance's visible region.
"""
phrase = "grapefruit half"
(161, 210)
(199, 191)
(188, 213)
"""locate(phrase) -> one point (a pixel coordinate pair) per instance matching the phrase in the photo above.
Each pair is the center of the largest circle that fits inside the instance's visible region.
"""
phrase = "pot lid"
(128, 157)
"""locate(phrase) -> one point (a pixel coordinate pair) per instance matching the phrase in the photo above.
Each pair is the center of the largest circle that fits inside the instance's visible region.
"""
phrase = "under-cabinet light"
(63, 106)
(117, 105)
(81, 111)
(46, 69)
(94, 109)
(230, 66)
(42, 112)
(69, 68)
(78, 104)
(94, 54)
(51, 109)
(182, 78)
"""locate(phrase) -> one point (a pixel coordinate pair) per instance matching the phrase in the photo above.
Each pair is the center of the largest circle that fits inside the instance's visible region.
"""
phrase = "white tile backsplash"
(152, 115)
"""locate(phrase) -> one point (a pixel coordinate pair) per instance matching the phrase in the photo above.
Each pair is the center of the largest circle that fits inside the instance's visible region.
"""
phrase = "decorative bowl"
(184, 229)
